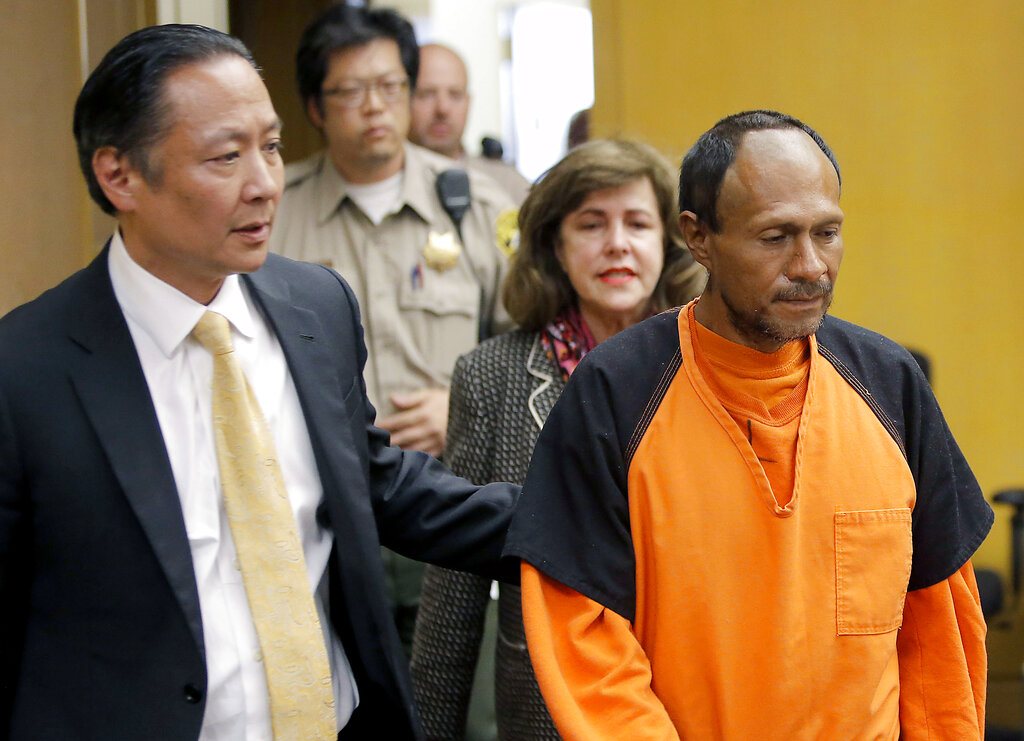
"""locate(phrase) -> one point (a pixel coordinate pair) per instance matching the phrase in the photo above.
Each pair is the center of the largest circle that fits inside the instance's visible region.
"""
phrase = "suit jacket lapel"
(311, 365)
(333, 407)
(548, 382)
(115, 396)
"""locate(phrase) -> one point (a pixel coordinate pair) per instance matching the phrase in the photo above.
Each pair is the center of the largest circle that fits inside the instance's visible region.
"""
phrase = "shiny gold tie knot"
(269, 550)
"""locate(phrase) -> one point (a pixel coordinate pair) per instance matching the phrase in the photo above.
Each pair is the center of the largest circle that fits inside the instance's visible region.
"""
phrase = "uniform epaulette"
(297, 172)
(486, 189)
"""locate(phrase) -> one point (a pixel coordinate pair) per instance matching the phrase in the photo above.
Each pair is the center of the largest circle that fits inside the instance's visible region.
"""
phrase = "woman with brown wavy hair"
(600, 250)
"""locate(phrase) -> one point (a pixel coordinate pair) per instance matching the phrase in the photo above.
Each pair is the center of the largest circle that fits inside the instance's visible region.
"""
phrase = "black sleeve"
(423, 510)
(453, 605)
(572, 521)
(951, 517)
(15, 566)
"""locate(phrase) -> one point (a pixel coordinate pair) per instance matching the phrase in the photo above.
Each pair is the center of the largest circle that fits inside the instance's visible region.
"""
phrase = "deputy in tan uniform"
(440, 107)
(368, 207)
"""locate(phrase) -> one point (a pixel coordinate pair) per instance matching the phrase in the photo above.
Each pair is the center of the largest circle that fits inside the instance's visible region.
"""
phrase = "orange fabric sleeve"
(943, 664)
(592, 671)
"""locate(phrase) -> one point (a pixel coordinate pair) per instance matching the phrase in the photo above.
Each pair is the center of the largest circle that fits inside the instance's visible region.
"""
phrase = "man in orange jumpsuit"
(745, 519)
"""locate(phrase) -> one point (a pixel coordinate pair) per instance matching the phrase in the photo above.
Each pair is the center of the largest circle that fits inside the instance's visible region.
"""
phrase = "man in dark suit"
(127, 591)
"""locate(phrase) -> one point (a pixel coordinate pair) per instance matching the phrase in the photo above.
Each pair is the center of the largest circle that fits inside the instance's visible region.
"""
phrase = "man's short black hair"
(122, 103)
(704, 166)
(345, 26)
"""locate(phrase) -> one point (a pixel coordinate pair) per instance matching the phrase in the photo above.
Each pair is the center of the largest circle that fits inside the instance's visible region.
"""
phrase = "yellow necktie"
(269, 551)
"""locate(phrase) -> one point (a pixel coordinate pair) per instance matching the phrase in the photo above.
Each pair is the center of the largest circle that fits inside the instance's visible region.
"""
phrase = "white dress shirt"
(179, 372)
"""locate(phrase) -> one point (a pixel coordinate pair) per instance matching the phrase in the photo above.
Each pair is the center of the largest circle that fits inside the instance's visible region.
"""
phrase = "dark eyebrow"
(237, 135)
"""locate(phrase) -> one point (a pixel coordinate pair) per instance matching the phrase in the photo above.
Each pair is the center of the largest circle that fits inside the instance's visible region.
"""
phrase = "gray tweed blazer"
(501, 394)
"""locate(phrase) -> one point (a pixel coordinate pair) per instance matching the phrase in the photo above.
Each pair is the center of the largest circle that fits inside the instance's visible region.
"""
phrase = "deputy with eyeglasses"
(368, 207)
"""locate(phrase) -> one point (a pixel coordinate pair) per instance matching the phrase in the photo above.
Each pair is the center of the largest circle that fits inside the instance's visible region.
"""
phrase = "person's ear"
(117, 177)
(313, 110)
(696, 235)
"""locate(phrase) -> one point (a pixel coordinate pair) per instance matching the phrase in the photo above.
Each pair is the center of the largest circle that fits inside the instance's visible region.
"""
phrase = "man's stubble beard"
(761, 328)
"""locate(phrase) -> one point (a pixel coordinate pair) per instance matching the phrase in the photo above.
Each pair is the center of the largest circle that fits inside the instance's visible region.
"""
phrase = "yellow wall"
(923, 103)
(42, 210)
(50, 228)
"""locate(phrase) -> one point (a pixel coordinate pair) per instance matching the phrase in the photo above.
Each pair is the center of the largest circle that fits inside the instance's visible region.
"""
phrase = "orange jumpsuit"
(688, 575)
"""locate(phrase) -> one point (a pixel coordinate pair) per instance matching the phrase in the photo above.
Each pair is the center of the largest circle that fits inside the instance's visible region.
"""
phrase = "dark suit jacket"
(100, 630)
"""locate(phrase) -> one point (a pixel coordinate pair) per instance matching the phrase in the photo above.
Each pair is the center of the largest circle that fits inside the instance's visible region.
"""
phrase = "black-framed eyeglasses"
(390, 90)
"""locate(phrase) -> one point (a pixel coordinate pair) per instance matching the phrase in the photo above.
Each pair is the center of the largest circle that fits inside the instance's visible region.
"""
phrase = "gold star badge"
(506, 231)
(441, 251)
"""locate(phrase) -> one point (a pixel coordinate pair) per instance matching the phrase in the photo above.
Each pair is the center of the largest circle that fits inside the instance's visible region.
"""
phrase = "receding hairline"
(209, 61)
(742, 148)
(743, 153)
(783, 131)
(170, 103)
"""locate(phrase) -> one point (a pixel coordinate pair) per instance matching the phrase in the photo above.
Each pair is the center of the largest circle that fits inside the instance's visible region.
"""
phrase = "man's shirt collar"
(417, 189)
(162, 311)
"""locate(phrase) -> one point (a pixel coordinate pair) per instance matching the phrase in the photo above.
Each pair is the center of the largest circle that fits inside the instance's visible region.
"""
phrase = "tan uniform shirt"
(505, 173)
(418, 313)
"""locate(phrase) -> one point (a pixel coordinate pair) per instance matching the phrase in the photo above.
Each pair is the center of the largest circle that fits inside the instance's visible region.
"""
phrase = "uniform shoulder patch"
(506, 231)
(298, 172)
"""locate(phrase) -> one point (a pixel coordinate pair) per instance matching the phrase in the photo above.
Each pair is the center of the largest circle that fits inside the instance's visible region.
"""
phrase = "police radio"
(453, 191)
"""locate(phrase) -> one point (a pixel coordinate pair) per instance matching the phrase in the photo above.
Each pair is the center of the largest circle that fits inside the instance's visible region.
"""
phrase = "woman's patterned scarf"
(566, 340)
